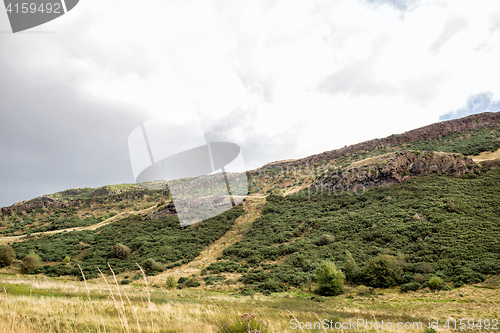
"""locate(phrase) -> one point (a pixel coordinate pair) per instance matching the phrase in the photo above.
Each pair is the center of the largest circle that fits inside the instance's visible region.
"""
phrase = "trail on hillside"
(486, 156)
(20, 238)
(253, 209)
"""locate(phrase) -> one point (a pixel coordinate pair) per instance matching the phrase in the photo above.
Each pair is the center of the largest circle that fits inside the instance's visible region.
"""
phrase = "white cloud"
(301, 77)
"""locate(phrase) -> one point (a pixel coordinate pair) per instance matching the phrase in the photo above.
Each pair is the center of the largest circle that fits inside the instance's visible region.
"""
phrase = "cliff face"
(393, 168)
(429, 132)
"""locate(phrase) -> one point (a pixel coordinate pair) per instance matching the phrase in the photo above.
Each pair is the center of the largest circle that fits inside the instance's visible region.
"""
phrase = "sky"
(282, 79)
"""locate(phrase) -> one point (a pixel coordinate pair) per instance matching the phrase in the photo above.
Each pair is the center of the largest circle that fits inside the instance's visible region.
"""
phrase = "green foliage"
(120, 251)
(67, 260)
(412, 286)
(30, 263)
(7, 255)
(171, 283)
(435, 283)
(150, 265)
(350, 266)
(330, 279)
(439, 241)
(192, 282)
(382, 271)
(325, 240)
(144, 238)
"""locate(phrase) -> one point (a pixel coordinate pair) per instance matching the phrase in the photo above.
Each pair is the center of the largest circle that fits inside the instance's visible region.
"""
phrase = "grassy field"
(41, 304)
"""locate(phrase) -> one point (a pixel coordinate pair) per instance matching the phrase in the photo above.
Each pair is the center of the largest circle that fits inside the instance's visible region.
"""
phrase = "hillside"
(425, 205)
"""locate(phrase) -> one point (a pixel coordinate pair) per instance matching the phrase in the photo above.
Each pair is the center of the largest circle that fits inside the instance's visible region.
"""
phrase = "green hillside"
(434, 225)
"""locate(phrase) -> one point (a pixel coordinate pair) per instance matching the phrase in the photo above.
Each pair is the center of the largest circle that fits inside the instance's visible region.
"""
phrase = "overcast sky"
(283, 79)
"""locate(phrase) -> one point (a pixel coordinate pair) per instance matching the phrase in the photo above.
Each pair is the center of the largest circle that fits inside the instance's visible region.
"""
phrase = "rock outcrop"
(429, 132)
(392, 168)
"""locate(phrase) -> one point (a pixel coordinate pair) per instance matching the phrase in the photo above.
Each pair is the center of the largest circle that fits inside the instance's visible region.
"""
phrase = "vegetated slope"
(77, 208)
(162, 240)
(466, 136)
(439, 225)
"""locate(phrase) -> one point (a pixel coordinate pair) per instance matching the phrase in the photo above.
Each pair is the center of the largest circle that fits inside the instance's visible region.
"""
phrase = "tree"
(30, 263)
(330, 279)
(120, 251)
(435, 283)
(7, 255)
(382, 272)
(350, 266)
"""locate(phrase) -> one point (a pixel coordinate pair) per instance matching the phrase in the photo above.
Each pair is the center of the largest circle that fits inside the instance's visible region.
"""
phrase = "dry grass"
(96, 306)
(485, 156)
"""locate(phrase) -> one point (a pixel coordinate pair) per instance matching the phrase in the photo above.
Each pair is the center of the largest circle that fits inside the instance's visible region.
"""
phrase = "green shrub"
(382, 272)
(30, 263)
(418, 278)
(7, 255)
(171, 283)
(125, 281)
(435, 283)
(67, 259)
(150, 266)
(350, 266)
(193, 282)
(330, 279)
(412, 286)
(325, 240)
(120, 251)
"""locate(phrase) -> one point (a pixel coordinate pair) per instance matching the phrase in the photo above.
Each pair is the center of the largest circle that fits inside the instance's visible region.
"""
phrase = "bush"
(150, 266)
(418, 278)
(382, 272)
(412, 286)
(30, 263)
(171, 283)
(7, 255)
(325, 240)
(67, 259)
(125, 281)
(120, 251)
(350, 266)
(193, 282)
(435, 283)
(330, 279)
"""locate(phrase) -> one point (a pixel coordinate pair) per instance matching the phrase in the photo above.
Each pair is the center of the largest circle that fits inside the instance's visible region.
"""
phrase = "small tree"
(120, 251)
(350, 266)
(171, 283)
(330, 279)
(435, 283)
(30, 263)
(7, 255)
(325, 240)
(382, 272)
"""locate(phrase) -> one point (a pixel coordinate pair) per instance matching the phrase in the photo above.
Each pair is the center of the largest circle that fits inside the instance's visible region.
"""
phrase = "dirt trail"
(20, 238)
(253, 209)
(485, 156)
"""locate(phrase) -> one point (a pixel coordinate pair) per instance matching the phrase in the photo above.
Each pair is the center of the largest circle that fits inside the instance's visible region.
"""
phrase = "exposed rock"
(429, 132)
(393, 168)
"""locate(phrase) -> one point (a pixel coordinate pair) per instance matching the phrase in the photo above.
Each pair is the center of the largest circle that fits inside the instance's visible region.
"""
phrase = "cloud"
(401, 5)
(478, 103)
(452, 27)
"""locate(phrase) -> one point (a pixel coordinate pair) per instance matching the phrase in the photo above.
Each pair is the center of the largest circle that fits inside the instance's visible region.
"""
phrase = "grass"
(96, 306)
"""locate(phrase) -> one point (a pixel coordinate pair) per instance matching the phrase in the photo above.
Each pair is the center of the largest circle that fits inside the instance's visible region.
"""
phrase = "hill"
(438, 217)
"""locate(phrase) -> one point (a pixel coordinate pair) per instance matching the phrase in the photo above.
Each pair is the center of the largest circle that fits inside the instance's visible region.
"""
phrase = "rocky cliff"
(429, 132)
(392, 168)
